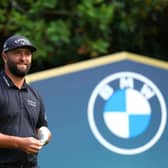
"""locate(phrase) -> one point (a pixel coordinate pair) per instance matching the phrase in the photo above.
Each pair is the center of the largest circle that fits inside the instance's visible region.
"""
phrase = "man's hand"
(29, 145)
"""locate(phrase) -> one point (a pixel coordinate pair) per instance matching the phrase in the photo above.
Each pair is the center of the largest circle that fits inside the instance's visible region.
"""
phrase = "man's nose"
(23, 56)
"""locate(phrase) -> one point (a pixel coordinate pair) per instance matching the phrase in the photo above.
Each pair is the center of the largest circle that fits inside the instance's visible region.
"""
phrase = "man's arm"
(26, 144)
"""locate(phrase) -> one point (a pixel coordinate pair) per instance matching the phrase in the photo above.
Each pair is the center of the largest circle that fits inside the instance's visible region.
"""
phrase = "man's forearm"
(7, 141)
(27, 144)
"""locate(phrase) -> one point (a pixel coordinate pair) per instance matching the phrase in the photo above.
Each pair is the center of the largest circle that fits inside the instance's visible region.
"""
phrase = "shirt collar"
(9, 82)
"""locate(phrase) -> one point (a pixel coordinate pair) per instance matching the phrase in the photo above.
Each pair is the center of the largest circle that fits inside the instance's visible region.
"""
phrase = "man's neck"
(18, 81)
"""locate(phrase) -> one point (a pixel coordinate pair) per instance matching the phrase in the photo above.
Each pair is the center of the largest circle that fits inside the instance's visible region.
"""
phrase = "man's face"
(18, 61)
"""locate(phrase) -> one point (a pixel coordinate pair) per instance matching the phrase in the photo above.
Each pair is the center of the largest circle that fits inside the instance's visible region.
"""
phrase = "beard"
(18, 71)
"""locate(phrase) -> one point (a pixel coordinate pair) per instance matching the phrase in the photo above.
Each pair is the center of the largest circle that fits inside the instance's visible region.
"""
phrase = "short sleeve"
(42, 119)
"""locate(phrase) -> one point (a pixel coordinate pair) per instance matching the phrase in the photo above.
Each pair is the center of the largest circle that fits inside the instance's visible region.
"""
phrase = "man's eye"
(16, 52)
(28, 53)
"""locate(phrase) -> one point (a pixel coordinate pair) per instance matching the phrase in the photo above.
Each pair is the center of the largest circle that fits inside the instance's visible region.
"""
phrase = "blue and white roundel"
(127, 113)
(126, 117)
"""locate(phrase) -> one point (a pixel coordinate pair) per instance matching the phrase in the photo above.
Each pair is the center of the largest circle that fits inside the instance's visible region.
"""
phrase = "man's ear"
(4, 57)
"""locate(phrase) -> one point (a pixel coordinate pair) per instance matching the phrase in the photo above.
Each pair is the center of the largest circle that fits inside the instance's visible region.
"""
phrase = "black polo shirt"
(21, 112)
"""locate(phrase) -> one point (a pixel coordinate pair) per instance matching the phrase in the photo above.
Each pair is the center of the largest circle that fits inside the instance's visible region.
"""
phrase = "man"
(23, 124)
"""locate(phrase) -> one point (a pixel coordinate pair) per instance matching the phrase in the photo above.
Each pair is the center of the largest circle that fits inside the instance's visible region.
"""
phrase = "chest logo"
(31, 103)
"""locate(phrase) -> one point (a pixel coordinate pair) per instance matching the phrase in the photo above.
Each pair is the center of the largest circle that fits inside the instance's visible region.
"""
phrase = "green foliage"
(70, 31)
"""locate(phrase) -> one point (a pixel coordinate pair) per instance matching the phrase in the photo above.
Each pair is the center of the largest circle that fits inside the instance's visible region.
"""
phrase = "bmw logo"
(127, 113)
